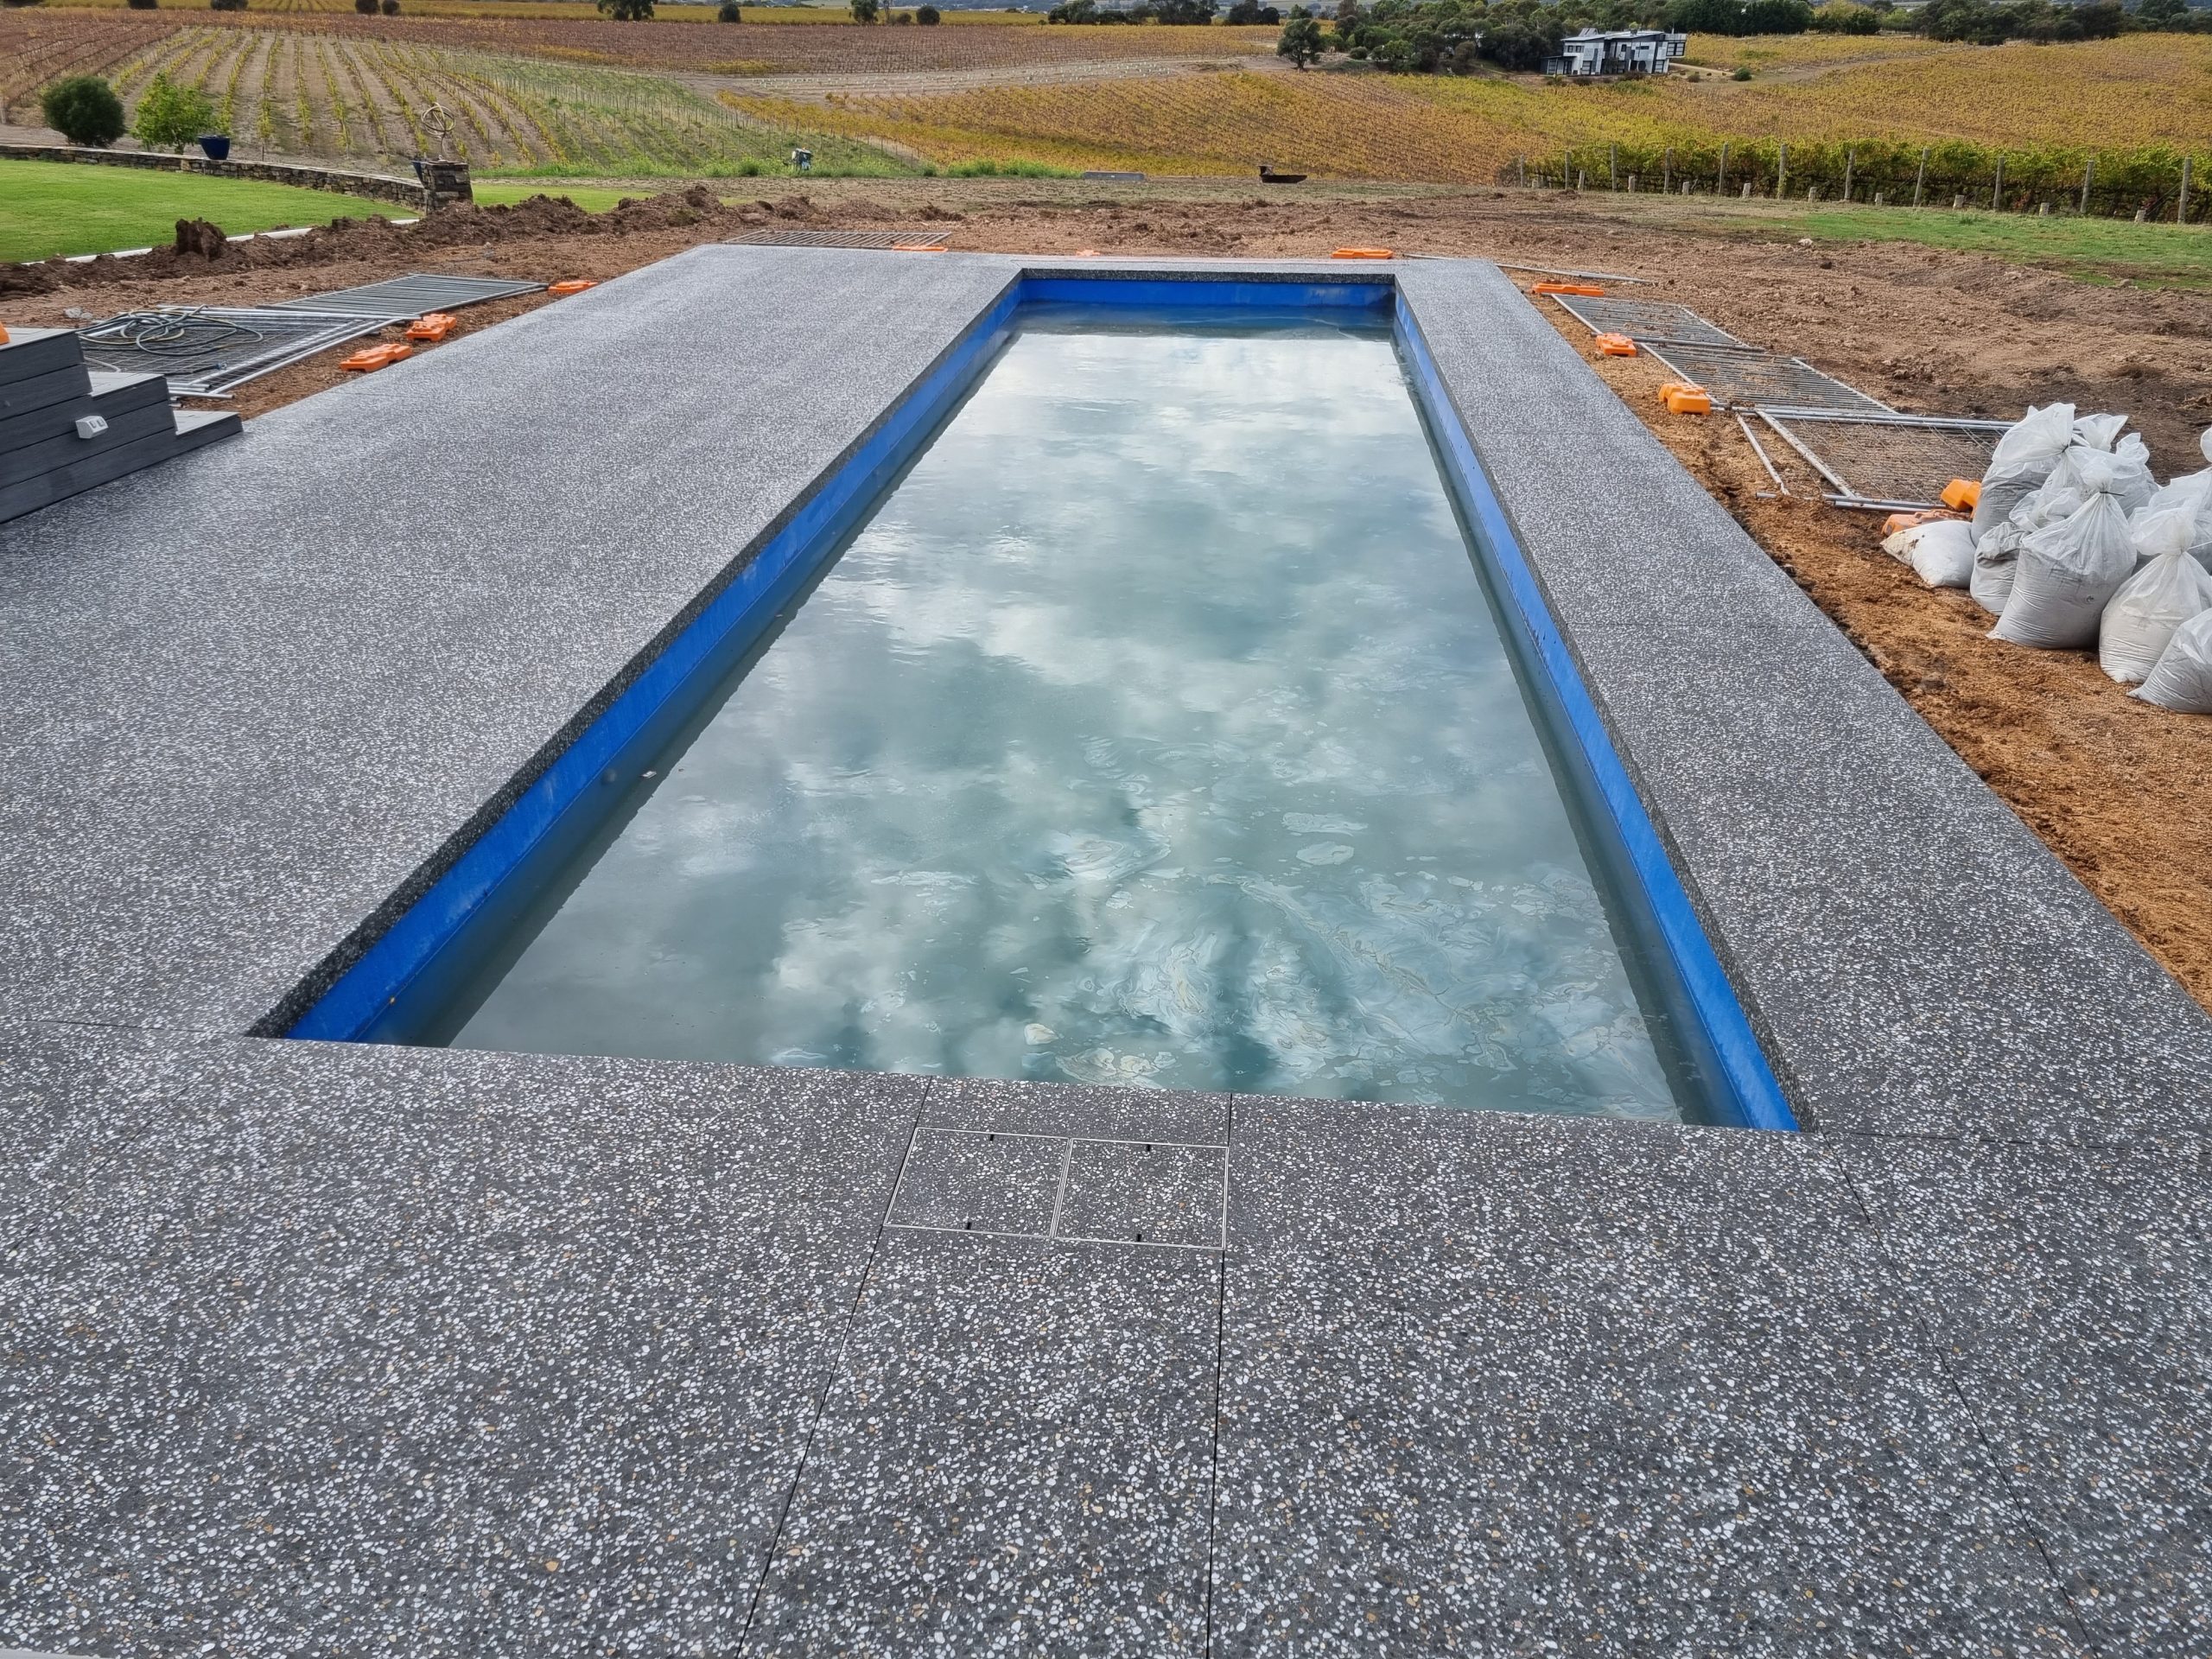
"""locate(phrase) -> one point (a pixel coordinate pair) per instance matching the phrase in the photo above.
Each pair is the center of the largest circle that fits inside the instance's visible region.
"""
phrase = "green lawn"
(592, 198)
(51, 207)
(2180, 255)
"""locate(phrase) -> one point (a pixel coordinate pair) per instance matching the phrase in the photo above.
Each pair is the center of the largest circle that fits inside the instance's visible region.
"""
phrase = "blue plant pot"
(216, 148)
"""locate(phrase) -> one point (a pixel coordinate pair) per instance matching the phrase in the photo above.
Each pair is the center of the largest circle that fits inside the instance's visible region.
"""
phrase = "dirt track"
(2121, 790)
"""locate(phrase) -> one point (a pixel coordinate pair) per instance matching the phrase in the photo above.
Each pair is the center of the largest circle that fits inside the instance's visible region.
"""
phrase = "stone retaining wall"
(374, 186)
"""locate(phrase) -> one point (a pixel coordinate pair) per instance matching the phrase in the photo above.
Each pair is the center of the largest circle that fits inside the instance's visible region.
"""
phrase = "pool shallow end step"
(65, 429)
(1474, 1382)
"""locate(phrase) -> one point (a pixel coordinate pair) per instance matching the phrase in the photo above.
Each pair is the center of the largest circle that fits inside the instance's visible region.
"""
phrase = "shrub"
(865, 11)
(226, 5)
(141, 5)
(389, 8)
(728, 12)
(83, 108)
(366, 8)
(170, 116)
(1843, 17)
(1741, 74)
(925, 14)
(626, 11)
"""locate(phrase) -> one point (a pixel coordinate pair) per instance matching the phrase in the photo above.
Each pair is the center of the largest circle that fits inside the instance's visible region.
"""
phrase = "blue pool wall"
(415, 964)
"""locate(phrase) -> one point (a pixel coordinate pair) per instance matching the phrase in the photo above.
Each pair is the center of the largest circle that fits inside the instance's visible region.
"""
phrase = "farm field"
(2132, 93)
(363, 101)
(576, 96)
(46, 210)
(678, 11)
(37, 44)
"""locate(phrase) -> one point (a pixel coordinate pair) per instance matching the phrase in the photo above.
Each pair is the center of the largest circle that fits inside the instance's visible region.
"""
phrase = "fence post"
(1721, 189)
(1667, 172)
(2181, 203)
(1521, 162)
(1612, 167)
(1850, 162)
(2088, 172)
(1921, 181)
(1997, 190)
(1781, 171)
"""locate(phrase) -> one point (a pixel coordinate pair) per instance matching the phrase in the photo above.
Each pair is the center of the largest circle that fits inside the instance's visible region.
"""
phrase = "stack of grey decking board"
(45, 389)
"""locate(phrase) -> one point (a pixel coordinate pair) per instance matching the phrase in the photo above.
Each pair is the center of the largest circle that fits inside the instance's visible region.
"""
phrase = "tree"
(83, 108)
(1300, 41)
(1519, 43)
(170, 116)
(730, 12)
(626, 11)
(866, 11)
(926, 15)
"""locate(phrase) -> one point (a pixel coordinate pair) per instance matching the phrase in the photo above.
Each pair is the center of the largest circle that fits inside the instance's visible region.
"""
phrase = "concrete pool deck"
(352, 1349)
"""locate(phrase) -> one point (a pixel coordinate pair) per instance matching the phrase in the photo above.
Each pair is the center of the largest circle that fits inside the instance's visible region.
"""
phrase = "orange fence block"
(1961, 492)
(372, 358)
(1616, 346)
(573, 285)
(1590, 289)
(1362, 253)
(433, 326)
(1689, 400)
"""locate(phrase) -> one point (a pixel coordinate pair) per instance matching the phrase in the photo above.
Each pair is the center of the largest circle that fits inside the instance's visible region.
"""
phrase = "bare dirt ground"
(2121, 790)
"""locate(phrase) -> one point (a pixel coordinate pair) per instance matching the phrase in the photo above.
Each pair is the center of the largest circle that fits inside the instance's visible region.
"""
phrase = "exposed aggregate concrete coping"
(345, 1349)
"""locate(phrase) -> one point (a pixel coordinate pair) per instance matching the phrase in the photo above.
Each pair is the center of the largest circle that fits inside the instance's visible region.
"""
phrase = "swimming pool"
(1156, 722)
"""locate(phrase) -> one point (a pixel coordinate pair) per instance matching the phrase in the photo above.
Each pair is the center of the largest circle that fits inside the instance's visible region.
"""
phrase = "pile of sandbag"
(2073, 544)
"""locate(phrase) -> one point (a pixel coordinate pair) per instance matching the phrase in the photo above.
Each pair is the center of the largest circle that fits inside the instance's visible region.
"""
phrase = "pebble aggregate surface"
(362, 1350)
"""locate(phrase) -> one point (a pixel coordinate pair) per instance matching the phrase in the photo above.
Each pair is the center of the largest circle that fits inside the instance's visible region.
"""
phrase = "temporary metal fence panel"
(1646, 320)
(840, 239)
(207, 350)
(411, 295)
(1754, 379)
(1889, 460)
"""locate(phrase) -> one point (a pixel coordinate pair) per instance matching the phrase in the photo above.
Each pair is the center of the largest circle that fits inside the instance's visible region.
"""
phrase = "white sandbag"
(2183, 679)
(2070, 570)
(2099, 431)
(1942, 554)
(2024, 457)
(2133, 482)
(1997, 554)
(2191, 492)
(1996, 561)
(2158, 599)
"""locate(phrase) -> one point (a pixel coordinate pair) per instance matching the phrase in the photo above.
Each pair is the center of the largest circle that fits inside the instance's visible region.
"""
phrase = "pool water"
(1154, 729)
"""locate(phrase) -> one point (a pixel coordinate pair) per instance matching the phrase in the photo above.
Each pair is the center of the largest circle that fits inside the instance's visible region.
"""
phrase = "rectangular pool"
(1159, 726)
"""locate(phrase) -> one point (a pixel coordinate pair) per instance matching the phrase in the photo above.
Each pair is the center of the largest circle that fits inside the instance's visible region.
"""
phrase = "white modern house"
(1617, 51)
